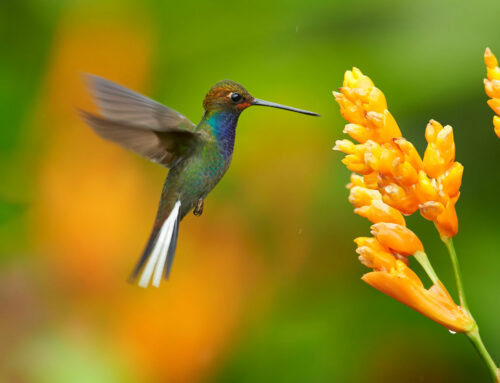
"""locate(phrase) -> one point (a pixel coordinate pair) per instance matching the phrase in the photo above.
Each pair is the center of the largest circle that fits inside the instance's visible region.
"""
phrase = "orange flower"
(379, 211)
(355, 158)
(492, 86)
(393, 277)
(435, 303)
(361, 196)
(440, 152)
(439, 187)
(431, 210)
(449, 182)
(373, 254)
(401, 198)
(393, 180)
(426, 188)
(365, 107)
(397, 238)
(447, 221)
(368, 203)
(391, 165)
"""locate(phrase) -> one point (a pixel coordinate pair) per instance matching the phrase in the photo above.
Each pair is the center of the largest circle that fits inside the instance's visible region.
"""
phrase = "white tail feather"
(158, 257)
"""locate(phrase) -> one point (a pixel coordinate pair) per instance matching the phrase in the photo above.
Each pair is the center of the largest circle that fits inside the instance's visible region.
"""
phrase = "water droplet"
(452, 332)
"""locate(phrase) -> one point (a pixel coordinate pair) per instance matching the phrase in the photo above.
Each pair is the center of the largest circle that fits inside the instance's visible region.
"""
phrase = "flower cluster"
(390, 180)
(492, 86)
(391, 165)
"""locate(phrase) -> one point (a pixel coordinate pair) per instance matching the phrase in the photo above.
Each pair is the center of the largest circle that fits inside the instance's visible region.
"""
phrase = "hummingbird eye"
(235, 97)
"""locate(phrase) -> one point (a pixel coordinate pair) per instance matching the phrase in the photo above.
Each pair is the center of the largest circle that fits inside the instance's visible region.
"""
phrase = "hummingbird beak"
(256, 101)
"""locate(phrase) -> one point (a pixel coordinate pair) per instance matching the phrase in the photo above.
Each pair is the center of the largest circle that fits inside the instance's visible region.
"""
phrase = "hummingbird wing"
(122, 104)
(167, 147)
(140, 124)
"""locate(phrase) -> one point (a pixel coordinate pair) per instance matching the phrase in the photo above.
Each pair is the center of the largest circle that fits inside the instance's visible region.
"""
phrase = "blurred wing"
(166, 147)
(140, 124)
(118, 103)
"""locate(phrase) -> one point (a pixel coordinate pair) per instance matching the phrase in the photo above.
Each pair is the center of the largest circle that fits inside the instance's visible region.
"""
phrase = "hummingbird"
(197, 156)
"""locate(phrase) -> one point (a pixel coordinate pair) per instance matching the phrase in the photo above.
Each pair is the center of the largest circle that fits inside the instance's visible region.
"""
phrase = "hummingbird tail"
(159, 251)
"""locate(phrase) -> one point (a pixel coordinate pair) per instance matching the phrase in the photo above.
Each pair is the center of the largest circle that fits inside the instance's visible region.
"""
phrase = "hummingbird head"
(228, 95)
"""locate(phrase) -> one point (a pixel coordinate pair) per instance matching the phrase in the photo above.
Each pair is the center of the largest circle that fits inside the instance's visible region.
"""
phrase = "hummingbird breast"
(197, 175)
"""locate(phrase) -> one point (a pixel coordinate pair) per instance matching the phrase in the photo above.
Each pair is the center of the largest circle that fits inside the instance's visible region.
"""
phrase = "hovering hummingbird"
(197, 155)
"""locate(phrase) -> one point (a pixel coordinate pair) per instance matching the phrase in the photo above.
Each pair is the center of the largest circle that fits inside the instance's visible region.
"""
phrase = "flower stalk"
(390, 180)
(456, 270)
(422, 258)
(478, 344)
(472, 335)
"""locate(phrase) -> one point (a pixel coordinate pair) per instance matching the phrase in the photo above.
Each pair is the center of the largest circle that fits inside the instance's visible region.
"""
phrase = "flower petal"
(434, 303)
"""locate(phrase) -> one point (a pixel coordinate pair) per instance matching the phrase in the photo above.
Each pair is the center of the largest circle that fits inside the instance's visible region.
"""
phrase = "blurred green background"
(266, 285)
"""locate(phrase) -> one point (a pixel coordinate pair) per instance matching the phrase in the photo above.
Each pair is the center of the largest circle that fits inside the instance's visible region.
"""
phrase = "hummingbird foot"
(198, 209)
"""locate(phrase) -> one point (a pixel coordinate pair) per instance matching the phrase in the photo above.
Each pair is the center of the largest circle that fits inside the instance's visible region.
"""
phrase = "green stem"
(479, 346)
(422, 258)
(473, 334)
(456, 270)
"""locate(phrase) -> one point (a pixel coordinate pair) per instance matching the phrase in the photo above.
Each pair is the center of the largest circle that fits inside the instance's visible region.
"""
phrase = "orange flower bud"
(372, 254)
(371, 180)
(445, 143)
(361, 196)
(376, 101)
(391, 128)
(385, 124)
(358, 132)
(431, 210)
(410, 153)
(404, 173)
(372, 154)
(432, 129)
(362, 81)
(496, 123)
(489, 59)
(355, 164)
(368, 241)
(435, 303)
(355, 156)
(433, 162)
(447, 222)
(440, 152)
(349, 80)
(356, 180)
(388, 155)
(354, 94)
(376, 119)
(492, 88)
(397, 238)
(356, 79)
(425, 189)
(378, 211)
(494, 104)
(350, 111)
(345, 146)
(493, 73)
(451, 180)
(397, 197)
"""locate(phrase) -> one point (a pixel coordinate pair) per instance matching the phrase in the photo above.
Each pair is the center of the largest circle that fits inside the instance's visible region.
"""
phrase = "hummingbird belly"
(196, 177)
